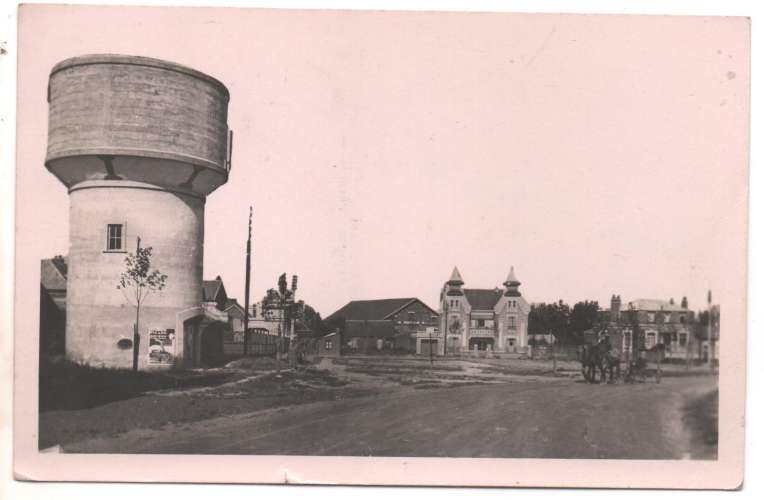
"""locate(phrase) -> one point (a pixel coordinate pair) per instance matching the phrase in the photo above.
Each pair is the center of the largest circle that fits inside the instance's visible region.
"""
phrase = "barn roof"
(378, 309)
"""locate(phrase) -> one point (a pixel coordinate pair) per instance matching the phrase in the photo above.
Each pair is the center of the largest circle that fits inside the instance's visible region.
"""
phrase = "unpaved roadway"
(558, 419)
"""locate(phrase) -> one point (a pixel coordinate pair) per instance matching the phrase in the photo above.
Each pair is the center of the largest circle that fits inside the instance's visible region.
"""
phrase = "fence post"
(554, 359)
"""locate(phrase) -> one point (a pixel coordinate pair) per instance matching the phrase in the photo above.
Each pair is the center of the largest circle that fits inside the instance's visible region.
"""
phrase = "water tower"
(139, 143)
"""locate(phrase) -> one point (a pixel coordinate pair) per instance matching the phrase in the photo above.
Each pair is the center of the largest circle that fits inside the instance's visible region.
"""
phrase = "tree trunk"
(136, 338)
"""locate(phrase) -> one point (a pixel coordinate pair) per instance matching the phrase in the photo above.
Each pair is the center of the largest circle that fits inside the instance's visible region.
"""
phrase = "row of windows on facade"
(651, 339)
(489, 323)
(662, 318)
(454, 303)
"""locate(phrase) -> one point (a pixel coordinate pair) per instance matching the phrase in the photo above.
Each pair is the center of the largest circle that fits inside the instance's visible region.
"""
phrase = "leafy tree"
(583, 317)
(310, 317)
(137, 282)
(550, 319)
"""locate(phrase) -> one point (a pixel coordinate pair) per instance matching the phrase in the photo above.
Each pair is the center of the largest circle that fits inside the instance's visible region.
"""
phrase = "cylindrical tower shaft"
(139, 143)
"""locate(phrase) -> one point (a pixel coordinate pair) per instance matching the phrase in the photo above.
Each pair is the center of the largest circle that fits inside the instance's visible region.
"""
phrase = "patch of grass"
(701, 415)
(69, 386)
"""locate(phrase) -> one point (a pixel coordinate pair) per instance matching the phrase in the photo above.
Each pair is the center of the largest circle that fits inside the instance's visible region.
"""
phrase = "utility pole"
(246, 284)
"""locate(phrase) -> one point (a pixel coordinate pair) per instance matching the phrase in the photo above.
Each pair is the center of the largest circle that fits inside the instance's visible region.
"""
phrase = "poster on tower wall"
(161, 346)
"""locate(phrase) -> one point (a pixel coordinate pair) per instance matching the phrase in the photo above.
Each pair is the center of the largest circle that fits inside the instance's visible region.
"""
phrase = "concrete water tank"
(139, 143)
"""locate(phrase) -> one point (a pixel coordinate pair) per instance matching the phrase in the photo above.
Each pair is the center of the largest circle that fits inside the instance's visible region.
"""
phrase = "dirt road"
(559, 419)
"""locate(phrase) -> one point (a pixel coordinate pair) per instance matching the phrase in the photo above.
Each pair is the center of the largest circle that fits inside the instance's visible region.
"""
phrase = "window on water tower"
(115, 237)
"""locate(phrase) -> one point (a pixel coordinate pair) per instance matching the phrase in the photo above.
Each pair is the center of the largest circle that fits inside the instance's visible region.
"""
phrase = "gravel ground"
(558, 419)
(504, 400)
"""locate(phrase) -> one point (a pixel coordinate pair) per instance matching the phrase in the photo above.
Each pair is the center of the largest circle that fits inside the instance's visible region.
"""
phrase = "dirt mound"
(259, 363)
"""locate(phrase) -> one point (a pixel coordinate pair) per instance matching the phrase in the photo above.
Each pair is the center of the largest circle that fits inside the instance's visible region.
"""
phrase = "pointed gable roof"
(456, 278)
(511, 278)
(233, 303)
(53, 274)
(214, 291)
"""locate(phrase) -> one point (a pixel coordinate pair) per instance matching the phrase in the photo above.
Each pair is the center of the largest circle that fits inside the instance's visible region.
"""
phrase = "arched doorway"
(211, 346)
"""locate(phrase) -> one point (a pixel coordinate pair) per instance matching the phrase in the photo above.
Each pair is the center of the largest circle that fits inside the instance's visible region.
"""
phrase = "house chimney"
(615, 308)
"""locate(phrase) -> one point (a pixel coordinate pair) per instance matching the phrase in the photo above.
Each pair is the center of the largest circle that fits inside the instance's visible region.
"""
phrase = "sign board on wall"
(161, 346)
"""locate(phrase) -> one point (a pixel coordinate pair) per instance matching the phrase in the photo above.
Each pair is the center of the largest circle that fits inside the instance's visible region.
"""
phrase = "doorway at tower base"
(203, 333)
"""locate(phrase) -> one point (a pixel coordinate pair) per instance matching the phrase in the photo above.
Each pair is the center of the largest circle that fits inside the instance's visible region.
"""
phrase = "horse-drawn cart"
(602, 353)
(640, 370)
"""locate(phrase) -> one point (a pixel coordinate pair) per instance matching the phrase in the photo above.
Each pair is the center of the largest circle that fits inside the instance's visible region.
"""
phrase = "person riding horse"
(600, 356)
(609, 358)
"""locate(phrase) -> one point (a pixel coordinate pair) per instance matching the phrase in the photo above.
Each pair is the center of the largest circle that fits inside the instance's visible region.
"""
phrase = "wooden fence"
(260, 344)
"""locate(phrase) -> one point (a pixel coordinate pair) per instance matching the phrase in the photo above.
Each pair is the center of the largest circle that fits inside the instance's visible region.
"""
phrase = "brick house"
(659, 321)
(380, 325)
(235, 320)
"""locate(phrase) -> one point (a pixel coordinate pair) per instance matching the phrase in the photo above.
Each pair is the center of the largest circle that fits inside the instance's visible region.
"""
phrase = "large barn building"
(370, 326)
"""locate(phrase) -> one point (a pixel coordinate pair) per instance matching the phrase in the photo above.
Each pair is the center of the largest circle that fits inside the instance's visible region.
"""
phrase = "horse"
(591, 359)
(599, 357)
(610, 362)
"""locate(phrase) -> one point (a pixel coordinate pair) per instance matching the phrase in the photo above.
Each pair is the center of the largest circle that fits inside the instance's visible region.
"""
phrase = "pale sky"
(595, 154)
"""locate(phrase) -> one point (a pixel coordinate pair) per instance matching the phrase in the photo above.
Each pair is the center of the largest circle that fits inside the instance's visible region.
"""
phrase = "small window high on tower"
(115, 237)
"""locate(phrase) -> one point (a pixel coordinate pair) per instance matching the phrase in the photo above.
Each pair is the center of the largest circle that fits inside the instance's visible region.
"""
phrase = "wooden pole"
(246, 284)
(430, 343)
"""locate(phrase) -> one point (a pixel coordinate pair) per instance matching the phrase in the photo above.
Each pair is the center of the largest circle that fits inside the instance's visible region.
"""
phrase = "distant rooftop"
(377, 309)
(654, 305)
